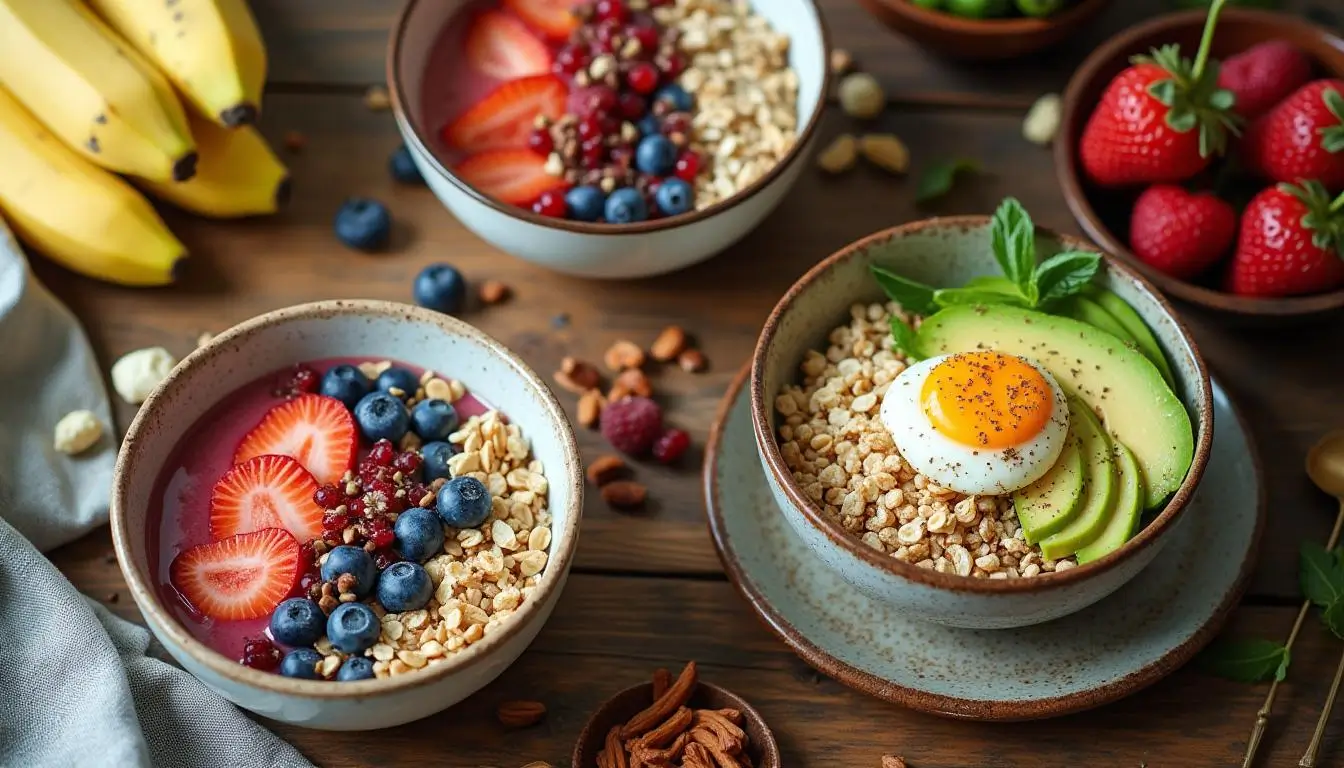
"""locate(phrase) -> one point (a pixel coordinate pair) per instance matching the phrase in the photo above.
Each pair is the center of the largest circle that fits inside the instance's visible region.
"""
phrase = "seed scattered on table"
(77, 432)
(1042, 121)
(137, 373)
(861, 96)
(840, 155)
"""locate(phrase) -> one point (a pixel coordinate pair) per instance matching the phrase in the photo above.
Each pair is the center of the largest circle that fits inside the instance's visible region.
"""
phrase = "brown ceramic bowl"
(628, 703)
(1104, 214)
(981, 39)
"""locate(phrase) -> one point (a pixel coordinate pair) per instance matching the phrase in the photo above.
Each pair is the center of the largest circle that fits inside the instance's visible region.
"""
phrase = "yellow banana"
(90, 88)
(237, 174)
(210, 49)
(77, 214)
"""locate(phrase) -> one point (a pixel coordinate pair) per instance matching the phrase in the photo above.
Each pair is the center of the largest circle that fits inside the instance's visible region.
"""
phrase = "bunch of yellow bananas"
(90, 91)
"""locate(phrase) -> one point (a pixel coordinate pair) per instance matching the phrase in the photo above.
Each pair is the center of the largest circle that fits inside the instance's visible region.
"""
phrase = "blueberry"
(345, 383)
(648, 125)
(354, 561)
(400, 378)
(626, 206)
(363, 224)
(433, 420)
(297, 621)
(677, 96)
(353, 628)
(674, 196)
(355, 668)
(655, 155)
(403, 167)
(585, 202)
(464, 502)
(301, 663)
(419, 533)
(404, 586)
(440, 287)
(436, 456)
(382, 417)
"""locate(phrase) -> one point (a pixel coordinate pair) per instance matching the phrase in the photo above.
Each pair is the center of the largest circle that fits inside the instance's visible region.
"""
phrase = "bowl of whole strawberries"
(1208, 151)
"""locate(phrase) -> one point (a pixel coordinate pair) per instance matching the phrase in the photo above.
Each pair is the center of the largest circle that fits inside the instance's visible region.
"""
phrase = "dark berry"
(673, 64)
(355, 668)
(404, 586)
(383, 558)
(646, 35)
(463, 502)
(408, 464)
(688, 165)
(354, 561)
(436, 457)
(642, 77)
(260, 653)
(328, 497)
(296, 381)
(649, 125)
(593, 153)
(434, 420)
(597, 99)
(346, 383)
(540, 141)
(382, 453)
(655, 155)
(585, 202)
(297, 621)
(353, 628)
(399, 378)
(356, 508)
(674, 196)
(570, 59)
(419, 534)
(382, 417)
(631, 105)
(632, 424)
(363, 224)
(677, 122)
(610, 10)
(626, 206)
(302, 664)
(440, 287)
(402, 167)
(551, 203)
(675, 95)
(671, 445)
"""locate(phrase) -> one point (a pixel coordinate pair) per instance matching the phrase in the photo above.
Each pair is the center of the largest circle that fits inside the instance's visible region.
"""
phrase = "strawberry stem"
(1338, 204)
(1206, 41)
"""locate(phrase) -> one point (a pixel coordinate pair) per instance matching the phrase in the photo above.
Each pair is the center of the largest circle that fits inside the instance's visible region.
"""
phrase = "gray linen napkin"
(78, 686)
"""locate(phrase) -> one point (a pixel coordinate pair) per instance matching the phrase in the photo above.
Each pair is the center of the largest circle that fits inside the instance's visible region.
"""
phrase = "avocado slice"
(1084, 310)
(1113, 380)
(1097, 502)
(1125, 315)
(1047, 505)
(1126, 511)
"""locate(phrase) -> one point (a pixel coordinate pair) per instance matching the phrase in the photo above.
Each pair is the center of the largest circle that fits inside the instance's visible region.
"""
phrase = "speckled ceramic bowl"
(948, 252)
(327, 329)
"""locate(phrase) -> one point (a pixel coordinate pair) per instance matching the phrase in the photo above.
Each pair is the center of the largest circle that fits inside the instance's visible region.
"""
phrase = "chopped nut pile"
(843, 458)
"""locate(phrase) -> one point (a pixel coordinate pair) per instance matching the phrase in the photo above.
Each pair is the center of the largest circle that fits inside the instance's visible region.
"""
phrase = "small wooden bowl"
(1104, 213)
(628, 703)
(981, 39)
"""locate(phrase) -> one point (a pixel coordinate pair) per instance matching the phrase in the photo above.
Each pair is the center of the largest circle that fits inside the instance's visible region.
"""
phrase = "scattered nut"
(590, 408)
(893, 761)
(205, 338)
(886, 151)
(377, 99)
(577, 376)
(623, 354)
(1042, 121)
(692, 361)
(840, 155)
(631, 381)
(861, 96)
(670, 343)
(520, 714)
(494, 292)
(841, 61)
(77, 431)
(295, 141)
(625, 494)
(137, 373)
(606, 468)
(539, 764)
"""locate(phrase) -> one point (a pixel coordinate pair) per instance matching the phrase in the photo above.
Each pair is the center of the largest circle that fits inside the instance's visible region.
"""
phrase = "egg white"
(964, 468)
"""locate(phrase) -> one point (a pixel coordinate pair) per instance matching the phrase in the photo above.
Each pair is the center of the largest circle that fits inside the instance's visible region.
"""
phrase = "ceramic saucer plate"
(1129, 640)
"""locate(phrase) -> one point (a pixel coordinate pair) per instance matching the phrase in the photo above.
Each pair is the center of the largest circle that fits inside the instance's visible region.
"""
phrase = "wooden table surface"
(648, 589)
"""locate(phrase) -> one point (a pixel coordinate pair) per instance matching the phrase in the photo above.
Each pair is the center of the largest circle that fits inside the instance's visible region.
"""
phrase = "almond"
(494, 292)
(520, 714)
(606, 468)
(692, 360)
(624, 354)
(840, 155)
(590, 408)
(577, 376)
(670, 343)
(632, 381)
(893, 761)
(841, 61)
(886, 151)
(624, 494)
(377, 99)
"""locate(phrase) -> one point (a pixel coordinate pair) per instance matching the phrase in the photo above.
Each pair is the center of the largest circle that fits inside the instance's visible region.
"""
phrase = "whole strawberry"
(1291, 243)
(1179, 232)
(1160, 120)
(1263, 75)
(1302, 137)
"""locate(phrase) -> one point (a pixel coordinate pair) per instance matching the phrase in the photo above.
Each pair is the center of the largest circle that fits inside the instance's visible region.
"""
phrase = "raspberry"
(673, 443)
(632, 424)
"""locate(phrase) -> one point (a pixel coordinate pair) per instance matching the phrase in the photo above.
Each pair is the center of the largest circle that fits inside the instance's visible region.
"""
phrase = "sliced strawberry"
(241, 577)
(265, 492)
(516, 176)
(502, 47)
(552, 18)
(316, 431)
(505, 117)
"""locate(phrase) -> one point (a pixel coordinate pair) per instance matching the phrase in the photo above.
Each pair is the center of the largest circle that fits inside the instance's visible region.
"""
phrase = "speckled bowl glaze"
(326, 329)
(1112, 649)
(948, 252)
(608, 251)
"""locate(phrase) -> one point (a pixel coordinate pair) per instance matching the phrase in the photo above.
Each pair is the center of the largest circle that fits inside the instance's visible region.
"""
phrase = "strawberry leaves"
(1332, 136)
(1324, 218)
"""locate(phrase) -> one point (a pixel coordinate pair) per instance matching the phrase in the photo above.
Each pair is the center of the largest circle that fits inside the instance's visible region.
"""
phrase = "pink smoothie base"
(183, 493)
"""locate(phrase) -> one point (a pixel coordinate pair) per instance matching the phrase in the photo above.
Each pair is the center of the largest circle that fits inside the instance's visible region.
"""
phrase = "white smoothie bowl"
(948, 252)
(375, 329)
(608, 251)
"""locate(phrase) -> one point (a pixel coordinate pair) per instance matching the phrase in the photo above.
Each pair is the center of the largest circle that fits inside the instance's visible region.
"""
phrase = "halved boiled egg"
(977, 422)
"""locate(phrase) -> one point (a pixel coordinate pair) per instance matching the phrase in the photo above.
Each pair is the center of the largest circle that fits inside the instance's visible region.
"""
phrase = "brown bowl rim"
(1070, 180)
(769, 749)
(415, 130)
(951, 23)
(145, 594)
(948, 706)
(769, 447)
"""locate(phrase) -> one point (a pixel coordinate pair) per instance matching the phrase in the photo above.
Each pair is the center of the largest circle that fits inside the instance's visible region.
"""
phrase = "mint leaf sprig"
(1250, 660)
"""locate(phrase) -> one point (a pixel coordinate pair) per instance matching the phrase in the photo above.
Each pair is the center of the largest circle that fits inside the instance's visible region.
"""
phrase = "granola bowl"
(151, 508)
(864, 538)
(749, 147)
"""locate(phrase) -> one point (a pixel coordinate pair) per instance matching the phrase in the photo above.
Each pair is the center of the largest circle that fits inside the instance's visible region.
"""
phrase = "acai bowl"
(1018, 453)
(347, 514)
(609, 138)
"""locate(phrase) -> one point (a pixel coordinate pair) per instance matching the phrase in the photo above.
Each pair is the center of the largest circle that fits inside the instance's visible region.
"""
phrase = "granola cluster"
(843, 458)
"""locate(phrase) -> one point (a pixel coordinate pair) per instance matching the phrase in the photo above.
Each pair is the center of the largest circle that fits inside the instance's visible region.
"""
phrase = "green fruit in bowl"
(1040, 8)
(979, 9)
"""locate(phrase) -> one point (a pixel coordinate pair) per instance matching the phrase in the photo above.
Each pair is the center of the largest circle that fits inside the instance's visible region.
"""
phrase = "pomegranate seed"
(381, 453)
(407, 462)
(594, 154)
(335, 522)
(632, 106)
(642, 77)
(384, 538)
(260, 653)
(672, 64)
(647, 37)
(590, 127)
(328, 497)
(598, 100)
(676, 122)
(570, 59)
(415, 492)
(295, 381)
(606, 35)
(356, 508)
(668, 448)
(622, 156)
(540, 141)
(551, 203)
(688, 165)
(610, 10)
(383, 558)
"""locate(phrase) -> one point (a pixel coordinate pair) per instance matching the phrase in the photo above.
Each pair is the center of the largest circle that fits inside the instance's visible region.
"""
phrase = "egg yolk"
(987, 399)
